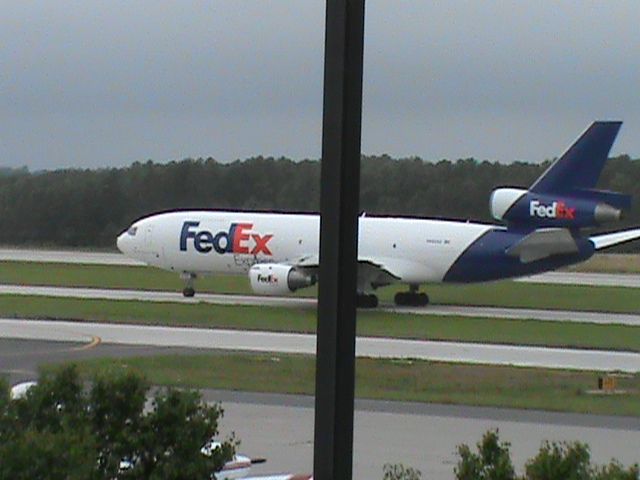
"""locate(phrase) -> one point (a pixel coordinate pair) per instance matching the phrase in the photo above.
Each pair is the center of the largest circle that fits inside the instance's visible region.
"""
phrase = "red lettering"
(261, 244)
(566, 212)
(239, 237)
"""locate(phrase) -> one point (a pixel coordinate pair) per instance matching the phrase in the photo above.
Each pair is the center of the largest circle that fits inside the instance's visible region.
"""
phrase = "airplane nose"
(122, 243)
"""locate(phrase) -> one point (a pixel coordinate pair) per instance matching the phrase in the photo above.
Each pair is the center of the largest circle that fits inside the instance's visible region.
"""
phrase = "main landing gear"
(365, 300)
(412, 298)
(189, 279)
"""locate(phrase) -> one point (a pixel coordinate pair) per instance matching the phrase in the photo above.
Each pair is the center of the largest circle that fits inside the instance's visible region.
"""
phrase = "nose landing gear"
(412, 298)
(189, 279)
(188, 292)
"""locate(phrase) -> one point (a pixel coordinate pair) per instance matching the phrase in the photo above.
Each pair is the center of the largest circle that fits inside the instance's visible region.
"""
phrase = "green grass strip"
(500, 294)
(417, 381)
(370, 323)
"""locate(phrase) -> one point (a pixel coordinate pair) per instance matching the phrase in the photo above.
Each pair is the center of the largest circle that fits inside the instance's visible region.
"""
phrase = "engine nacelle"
(502, 199)
(278, 279)
(575, 210)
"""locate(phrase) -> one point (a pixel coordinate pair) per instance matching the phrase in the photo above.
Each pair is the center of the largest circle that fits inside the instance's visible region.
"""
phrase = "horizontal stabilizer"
(544, 243)
(616, 238)
(615, 199)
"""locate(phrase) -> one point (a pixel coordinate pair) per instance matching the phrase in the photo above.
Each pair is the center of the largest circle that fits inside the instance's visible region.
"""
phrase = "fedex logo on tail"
(557, 210)
(240, 239)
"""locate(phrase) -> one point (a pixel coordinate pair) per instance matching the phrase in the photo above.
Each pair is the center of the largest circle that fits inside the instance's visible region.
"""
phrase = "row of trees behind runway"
(89, 208)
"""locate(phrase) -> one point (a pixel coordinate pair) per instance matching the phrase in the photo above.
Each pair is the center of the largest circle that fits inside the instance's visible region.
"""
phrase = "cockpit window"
(132, 231)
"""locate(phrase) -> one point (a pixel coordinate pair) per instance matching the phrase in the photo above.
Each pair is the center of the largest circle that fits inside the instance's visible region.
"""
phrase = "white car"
(238, 467)
(19, 390)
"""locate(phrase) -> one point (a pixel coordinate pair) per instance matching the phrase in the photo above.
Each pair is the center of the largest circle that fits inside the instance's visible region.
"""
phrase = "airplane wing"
(610, 239)
(306, 262)
(370, 270)
(543, 243)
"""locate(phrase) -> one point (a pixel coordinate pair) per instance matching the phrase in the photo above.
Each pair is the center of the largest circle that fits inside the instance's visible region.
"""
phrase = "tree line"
(89, 208)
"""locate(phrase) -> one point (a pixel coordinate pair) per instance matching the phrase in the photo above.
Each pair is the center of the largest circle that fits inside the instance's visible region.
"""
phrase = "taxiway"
(295, 343)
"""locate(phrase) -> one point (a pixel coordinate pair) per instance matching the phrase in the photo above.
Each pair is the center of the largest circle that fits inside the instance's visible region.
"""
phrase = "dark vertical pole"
(339, 195)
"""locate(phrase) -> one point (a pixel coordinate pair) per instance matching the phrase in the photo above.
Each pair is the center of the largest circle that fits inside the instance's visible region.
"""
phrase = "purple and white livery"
(544, 228)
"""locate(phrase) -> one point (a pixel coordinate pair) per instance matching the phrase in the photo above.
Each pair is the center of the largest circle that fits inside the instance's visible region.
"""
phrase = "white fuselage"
(205, 242)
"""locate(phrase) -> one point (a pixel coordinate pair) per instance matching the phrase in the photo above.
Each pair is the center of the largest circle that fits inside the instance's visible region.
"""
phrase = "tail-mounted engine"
(577, 209)
(278, 279)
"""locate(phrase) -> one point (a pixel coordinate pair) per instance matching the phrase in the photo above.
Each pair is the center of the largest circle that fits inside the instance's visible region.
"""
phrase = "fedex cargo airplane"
(544, 228)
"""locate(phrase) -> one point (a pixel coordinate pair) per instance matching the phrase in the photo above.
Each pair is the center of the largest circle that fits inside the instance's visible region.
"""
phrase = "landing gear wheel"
(373, 301)
(423, 300)
(189, 279)
(400, 298)
(367, 301)
(188, 292)
(411, 299)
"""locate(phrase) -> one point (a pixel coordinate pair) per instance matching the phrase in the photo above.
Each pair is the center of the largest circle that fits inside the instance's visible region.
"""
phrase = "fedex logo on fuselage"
(555, 210)
(238, 240)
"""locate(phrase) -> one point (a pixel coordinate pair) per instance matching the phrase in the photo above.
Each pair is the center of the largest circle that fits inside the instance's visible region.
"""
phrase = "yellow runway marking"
(95, 341)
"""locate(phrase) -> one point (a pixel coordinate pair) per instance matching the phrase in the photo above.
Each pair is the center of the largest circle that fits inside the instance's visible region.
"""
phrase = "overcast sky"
(95, 83)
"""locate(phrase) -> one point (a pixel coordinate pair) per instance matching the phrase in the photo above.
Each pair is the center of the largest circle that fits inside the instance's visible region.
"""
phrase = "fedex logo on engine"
(268, 279)
(238, 240)
(555, 210)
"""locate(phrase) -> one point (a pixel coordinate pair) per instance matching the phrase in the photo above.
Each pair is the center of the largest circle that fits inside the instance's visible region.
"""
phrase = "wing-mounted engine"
(576, 209)
(278, 279)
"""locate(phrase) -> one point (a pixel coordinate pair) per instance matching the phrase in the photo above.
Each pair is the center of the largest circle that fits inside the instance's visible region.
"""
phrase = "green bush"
(571, 461)
(615, 471)
(492, 462)
(554, 461)
(400, 472)
(61, 430)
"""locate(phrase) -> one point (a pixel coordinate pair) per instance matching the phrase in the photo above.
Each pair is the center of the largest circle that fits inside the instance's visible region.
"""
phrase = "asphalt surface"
(255, 341)
(108, 258)
(20, 358)
(298, 302)
(425, 436)
(424, 440)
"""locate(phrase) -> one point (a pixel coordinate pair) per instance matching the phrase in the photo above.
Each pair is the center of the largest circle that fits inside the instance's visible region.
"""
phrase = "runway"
(301, 302)
(113, 258)
(627, 280)
(280, 427)
(294, 343)
(66, 256)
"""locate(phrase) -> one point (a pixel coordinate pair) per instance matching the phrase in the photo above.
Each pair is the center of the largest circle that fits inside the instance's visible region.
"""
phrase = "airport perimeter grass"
(503, 294)
(417, 381)
(370, 323)
(610, 263)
